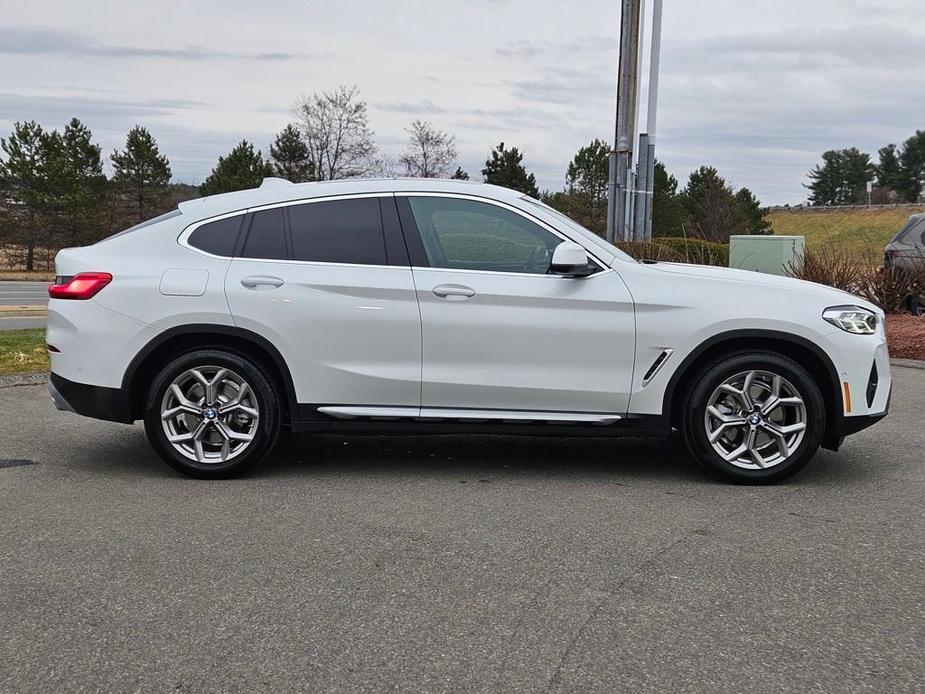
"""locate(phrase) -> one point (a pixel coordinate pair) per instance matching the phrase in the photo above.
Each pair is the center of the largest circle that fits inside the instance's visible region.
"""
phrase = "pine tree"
(754, 216)
(289, 155)
(141, 173)
(243, 167)
(504, 168)
(23, 189)
(716, 210)
(842, 178)
(586, 180)
(889, 170)
(668, 214)
(460, 175)
(76, 187)
(912, 167)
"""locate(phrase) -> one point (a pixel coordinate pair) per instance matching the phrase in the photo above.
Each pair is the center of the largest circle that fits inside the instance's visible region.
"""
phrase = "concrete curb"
(908, 363)
(22, 311)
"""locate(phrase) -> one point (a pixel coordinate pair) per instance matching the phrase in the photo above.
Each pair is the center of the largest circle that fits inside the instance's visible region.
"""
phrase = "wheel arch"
(178, 340)
(808, 355)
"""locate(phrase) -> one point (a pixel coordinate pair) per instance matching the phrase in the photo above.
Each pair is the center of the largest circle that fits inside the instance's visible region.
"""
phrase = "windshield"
(578, 229)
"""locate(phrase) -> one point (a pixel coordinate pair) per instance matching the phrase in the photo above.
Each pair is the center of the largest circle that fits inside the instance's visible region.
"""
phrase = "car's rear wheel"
(754, 417)
(212, 414)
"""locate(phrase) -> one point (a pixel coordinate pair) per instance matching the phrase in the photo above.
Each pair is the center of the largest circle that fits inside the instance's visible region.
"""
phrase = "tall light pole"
(629, 212)
(651, 117)
(622, 155)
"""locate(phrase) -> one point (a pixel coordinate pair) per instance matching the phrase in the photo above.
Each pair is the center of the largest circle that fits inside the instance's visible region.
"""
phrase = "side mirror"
(571, 260)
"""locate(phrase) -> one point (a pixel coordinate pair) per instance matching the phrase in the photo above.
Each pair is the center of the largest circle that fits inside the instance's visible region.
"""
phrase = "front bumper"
(99, 402)
(846, 426)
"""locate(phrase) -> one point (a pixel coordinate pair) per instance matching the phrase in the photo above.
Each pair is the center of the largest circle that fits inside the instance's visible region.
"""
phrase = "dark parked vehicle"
(906, 251)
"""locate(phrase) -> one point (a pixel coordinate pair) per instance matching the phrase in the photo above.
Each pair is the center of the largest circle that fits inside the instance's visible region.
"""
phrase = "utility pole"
(622, 155)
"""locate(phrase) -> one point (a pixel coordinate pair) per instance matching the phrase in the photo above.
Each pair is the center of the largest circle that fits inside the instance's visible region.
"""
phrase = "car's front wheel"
(212, 414)
(754, 417)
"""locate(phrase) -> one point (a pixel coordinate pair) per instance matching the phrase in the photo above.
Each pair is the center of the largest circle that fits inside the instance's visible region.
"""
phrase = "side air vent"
(872, 384)
(656, 365)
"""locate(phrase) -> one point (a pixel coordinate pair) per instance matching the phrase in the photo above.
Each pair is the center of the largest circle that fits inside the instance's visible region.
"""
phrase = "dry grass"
(22, 351)
(906, 336)
(888, 288)
(860, 232)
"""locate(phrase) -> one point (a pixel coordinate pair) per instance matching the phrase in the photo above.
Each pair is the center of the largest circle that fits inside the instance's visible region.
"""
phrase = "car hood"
(819, 292)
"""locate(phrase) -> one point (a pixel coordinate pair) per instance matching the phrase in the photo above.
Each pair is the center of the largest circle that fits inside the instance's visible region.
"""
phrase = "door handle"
(453, 291)
(254, 281)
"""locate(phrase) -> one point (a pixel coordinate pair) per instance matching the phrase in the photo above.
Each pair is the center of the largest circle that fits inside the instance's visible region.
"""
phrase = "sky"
(758, 88)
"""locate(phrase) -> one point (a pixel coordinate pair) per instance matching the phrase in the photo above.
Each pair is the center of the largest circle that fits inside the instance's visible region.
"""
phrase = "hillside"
(864, 231)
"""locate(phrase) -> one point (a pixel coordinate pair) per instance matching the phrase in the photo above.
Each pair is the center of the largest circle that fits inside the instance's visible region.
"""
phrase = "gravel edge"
(29, 379)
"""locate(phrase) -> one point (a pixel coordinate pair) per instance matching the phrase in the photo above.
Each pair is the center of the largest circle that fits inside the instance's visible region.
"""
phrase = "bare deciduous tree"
(336, 129)
(431, 152)
(386, 167)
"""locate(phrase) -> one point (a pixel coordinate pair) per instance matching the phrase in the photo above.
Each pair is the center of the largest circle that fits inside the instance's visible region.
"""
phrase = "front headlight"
(852, 319)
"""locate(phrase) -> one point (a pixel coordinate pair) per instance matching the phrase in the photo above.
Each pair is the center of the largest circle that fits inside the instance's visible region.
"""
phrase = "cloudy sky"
(758, 89)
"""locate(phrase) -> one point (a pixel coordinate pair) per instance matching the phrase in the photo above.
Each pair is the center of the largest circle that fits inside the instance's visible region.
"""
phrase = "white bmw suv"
(424, 306)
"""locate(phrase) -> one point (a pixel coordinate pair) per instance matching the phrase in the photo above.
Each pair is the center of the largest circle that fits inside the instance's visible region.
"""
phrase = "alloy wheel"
(210, 414)
(755, 419)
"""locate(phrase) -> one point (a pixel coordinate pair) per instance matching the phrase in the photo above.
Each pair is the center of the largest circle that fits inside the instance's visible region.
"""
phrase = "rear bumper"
(99, 402)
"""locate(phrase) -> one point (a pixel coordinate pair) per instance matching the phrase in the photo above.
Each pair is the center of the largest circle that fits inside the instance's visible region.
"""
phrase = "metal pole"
(636, 192)
(625, 125)
(611, 196)
(652, 116)
(642, 172)
(650, 191)
(654, 57)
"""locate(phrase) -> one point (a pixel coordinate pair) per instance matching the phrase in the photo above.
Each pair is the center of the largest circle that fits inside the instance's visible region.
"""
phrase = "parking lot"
(437, 564)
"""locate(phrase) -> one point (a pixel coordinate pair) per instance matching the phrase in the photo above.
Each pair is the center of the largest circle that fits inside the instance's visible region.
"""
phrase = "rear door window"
(338, 231)
(266, 237)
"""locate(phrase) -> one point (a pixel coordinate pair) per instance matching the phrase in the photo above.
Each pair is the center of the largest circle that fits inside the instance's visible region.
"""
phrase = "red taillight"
(81, 286)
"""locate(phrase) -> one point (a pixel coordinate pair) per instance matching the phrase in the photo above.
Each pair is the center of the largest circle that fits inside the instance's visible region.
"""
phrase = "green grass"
(22, 351)
(861, 232)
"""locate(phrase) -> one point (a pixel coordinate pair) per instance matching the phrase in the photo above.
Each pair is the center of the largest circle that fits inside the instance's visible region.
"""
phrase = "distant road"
(33, 294)
(23, 293)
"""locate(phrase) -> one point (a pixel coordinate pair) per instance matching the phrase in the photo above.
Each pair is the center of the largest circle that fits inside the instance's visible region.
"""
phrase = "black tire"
(266, 430)
(713, 375)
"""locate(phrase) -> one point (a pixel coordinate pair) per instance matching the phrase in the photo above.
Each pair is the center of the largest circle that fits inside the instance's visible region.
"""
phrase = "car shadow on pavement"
(617, 460)
(625, 457)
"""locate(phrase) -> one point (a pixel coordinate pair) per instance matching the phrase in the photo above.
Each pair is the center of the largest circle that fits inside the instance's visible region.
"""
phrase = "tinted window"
(917, 237)
(339, 231)
(471, 235)
(266, 237)
(219, 237)
(910, 231)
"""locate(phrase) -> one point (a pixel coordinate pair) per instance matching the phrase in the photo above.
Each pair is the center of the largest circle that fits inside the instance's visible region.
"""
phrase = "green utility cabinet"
(770, 254)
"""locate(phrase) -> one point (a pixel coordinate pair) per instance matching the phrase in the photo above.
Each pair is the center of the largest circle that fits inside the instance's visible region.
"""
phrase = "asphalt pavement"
(457, 564)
